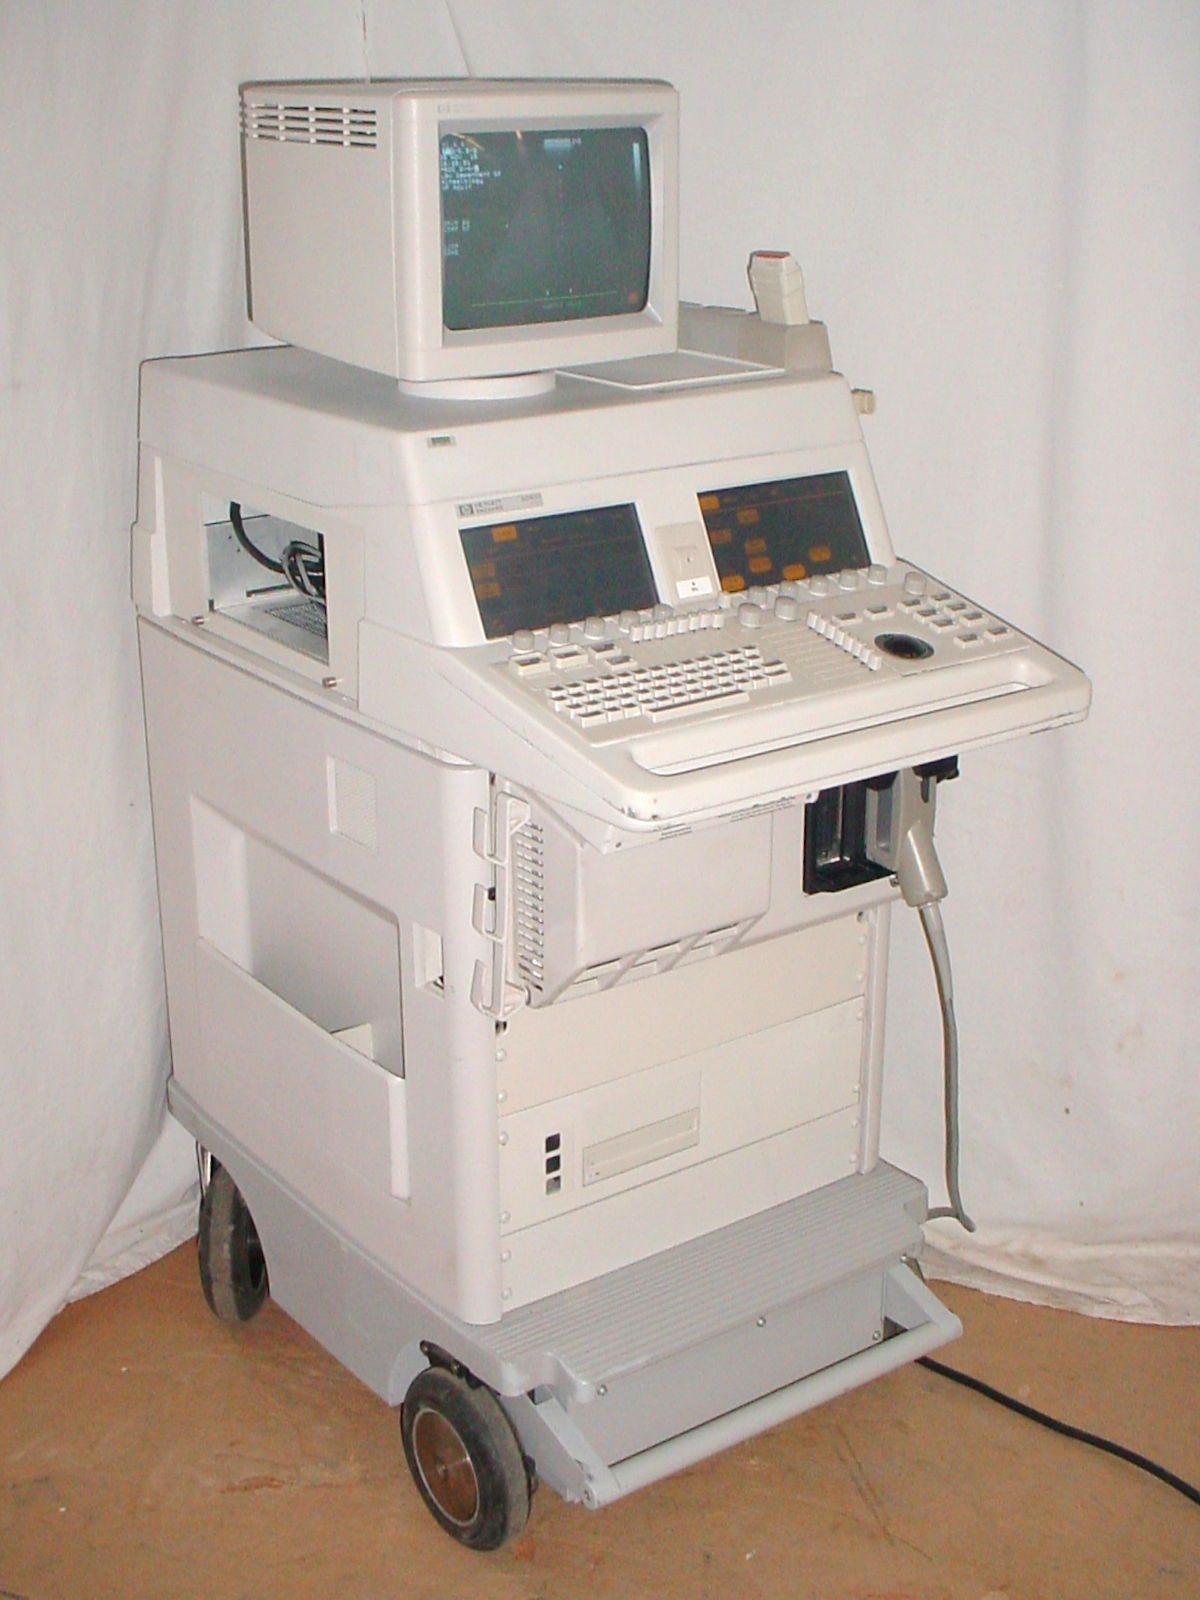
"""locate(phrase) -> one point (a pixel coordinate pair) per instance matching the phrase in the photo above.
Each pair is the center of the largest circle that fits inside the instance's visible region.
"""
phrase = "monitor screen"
(544, 225)
(764, 533)
(560, 568)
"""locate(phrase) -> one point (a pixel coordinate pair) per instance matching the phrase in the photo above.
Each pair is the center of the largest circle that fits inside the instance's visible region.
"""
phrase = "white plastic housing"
(344, 231)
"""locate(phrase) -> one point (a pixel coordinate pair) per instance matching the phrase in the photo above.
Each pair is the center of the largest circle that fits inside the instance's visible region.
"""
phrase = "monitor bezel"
(429, 351)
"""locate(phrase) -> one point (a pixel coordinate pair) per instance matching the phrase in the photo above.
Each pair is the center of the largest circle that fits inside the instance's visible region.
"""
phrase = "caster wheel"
(233, 1269)
(465, 1459)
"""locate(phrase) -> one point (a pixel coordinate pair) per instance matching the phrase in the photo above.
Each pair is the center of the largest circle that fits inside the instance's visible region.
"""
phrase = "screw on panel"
(761, 1322)
(330, 683)
(602, 1389)
(503, 1138)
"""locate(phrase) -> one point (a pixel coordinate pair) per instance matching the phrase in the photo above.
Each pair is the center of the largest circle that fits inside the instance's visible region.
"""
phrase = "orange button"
(486, 591)
(820, 552)
(710, 502)
(795, 570)
(748, 514)
(720, 535)
(733, 583)
(505, 533)
(760, 564)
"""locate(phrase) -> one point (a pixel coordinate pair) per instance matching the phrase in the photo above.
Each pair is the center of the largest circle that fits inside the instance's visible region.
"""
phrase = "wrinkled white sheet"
(1153, 1282)
(996, 209)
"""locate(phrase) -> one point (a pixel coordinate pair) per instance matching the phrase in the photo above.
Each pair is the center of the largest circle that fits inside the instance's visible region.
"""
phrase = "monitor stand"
(507, 386)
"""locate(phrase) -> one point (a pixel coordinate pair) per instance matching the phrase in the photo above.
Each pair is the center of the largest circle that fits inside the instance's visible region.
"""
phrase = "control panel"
(879, 630)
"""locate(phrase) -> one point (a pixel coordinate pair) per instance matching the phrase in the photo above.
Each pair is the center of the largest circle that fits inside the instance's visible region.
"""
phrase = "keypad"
(661, 693)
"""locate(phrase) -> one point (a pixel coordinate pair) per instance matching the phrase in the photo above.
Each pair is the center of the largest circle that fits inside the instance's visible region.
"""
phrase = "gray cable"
(939, 951)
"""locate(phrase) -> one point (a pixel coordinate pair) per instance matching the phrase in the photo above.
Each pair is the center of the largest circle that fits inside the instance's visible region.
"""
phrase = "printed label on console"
(504, 502)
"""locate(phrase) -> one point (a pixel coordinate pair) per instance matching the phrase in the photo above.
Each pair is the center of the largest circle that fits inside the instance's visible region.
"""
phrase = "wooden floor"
(148, 1450)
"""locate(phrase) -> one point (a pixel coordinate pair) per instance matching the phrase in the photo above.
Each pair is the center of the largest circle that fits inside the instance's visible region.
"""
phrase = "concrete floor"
(148, 1450)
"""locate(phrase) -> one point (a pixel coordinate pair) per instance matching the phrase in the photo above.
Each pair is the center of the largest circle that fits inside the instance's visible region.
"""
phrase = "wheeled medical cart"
(526, 981)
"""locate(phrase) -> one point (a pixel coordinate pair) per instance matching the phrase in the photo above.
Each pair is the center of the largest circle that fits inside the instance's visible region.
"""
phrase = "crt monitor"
(466, 228)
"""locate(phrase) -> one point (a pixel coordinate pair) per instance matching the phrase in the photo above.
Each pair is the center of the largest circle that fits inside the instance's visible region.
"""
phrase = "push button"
(528, 666)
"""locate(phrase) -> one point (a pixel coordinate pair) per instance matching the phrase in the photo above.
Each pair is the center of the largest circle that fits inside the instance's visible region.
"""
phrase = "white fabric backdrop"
(996, 209)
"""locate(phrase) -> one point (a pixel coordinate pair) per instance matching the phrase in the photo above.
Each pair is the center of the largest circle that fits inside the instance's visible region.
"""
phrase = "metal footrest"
(925, 1325)
(649, 1369)
(698, 1291)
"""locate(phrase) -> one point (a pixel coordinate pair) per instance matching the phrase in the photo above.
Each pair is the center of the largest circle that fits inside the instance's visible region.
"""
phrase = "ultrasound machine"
(542, 729)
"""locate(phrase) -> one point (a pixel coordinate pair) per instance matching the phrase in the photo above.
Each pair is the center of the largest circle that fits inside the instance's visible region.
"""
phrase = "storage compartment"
(316, 1110)
(585, 919)
(324, 951)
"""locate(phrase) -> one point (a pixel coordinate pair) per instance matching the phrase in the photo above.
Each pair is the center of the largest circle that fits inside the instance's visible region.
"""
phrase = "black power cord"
(1169, 1478)
(243, 538)
(303, 565)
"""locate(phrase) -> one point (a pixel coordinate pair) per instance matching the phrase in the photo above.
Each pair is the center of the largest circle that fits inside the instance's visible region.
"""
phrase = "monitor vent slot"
(348, 126)
(529, 903)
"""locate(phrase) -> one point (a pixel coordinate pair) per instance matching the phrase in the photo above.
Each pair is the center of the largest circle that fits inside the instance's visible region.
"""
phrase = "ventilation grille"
(306, 614)
(298, 124)
(529, 903)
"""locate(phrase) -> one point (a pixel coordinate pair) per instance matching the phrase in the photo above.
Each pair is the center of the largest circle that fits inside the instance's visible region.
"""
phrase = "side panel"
(316, 883)
(304, 201)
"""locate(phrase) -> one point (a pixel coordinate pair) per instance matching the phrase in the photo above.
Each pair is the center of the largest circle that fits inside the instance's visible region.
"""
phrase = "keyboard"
(717, 680)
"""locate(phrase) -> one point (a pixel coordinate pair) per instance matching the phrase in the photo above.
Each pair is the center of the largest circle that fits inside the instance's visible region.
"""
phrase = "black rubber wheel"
(465, 1459)
(233, 1269)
